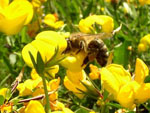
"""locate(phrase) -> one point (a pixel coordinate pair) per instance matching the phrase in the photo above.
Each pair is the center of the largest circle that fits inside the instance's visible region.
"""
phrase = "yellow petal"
(109, 82)
(18, 8)
(53, 38)
(95, 72)
(54, 84)
(12, 26)
(141, 71)
(113, 77)
(3, 4)
(126, 95)
(143, 93)
(106, 22)
(32, 105)
(73, 62)
(121, 75)
(25, 88)
(3, 92)
(34, 74)
(145, 40)
(26, 56)
(74, 88)
(15, 16)
(76, 77)
(143, 2)
(46, 50)
(142, 47)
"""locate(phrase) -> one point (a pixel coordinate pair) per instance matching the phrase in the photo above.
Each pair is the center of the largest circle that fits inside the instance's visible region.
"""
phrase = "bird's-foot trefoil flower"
(127, 91)
(14, 15)
(93, 22)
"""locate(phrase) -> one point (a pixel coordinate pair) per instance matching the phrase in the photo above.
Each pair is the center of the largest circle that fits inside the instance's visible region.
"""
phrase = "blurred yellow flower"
(27, 87)
(105, 22)
(30, 108)
(144, 43)
(45, 42)
(108, 0)
(14, 16)
(52, 21)
(6, 108)
(3, 92)
(37, 3)
(117, 81)
(143, 2)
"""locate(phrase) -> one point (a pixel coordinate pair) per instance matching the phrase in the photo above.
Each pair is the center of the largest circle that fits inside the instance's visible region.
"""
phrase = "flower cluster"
(127, 91)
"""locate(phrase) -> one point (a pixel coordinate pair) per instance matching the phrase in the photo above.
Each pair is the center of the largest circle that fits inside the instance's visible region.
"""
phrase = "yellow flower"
(32, 105)
(3, 92)
(27, 87)
(106, 23)
(95, 72)
(37, 3)
(73, 82)
(14, 16)
(143, 2)
(45, 42)
(108, 0)
(128, 92)
(144, 43)
(73, 61)
(6, 108)
(52, 21)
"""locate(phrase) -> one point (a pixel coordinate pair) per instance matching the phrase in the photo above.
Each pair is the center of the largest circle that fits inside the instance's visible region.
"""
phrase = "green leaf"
(2, 99)
(121, 54)
(33, 60)
(105, 94)
(8, 94)
(147, 79)
(116, 105)
(40, 64)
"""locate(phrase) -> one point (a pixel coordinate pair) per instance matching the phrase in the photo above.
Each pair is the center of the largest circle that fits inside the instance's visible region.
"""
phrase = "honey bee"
(92, 45)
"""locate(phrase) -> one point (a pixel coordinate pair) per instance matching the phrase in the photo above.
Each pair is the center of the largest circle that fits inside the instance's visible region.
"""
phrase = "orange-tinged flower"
(14, 16)
(143, 2)
(6, 108)
(128, 92)
(95, 72)
(52, 21)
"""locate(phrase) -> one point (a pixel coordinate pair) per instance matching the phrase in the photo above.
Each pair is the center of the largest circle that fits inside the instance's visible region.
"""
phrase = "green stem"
(103, 108)
(47, 107)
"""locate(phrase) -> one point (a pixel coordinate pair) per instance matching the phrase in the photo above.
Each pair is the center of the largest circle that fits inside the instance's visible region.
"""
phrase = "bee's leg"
(85, 61)
(69, 47)
(81, 46)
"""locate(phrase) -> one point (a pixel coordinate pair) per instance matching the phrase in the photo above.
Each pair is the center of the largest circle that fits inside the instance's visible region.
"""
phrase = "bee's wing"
(103, 35)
